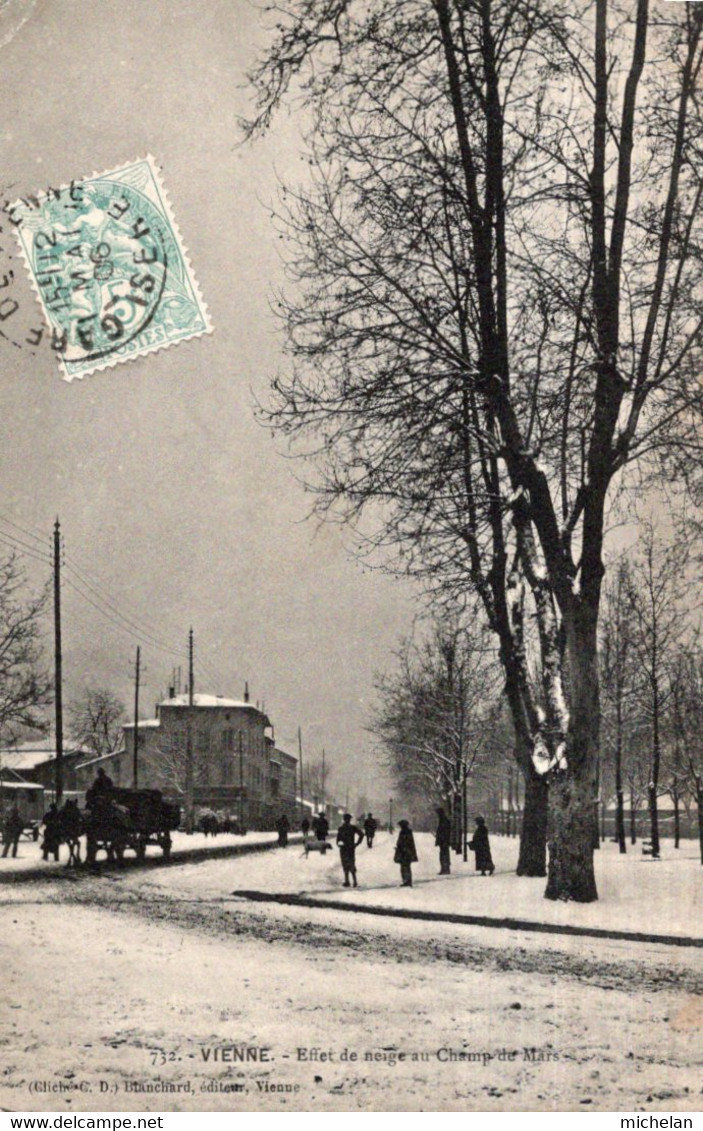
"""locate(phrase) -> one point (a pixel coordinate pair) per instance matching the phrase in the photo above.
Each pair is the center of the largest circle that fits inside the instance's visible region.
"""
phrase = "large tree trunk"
(570, 874)
(532, 860)
(570, 839)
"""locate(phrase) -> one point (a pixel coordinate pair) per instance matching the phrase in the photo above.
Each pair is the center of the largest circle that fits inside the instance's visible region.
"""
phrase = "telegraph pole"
(302, 780)
(58, 703)
(135, 773)
(241, 783)
(190, 815)
(324, 786)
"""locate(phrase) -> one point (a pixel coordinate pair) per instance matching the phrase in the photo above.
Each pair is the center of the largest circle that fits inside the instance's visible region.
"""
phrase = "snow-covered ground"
(130, 977)
(636, 893)
(29, 853)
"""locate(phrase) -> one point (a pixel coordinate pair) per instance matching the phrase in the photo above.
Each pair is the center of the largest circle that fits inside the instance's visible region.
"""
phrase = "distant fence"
(688, 823)
(510, 823)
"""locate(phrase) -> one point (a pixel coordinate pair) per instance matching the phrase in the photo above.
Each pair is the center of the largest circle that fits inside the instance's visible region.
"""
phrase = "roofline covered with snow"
(101, 758)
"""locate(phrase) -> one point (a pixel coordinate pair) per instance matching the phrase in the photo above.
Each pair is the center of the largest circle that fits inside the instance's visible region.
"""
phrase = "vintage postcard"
(351, 676)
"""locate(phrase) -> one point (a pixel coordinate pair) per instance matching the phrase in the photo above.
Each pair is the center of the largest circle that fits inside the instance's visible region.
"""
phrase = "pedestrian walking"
(443, 840)
(480, 845)
(305, 829)
(283, 828)
(12, 829)
(405, 853)
(370, 826)
(320, 826)
(349, 837)
(52, 833)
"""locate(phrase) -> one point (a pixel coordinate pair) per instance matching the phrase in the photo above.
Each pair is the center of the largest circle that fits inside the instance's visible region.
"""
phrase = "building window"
(228, 739)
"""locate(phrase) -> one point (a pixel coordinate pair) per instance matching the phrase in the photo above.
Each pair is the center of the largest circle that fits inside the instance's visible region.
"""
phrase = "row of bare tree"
(444, 729)
(438, 718)
(495, 314)
(652, 681)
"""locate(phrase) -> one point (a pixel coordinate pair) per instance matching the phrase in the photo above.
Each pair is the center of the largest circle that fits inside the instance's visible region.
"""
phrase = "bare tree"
(620, 678)
(166, 759)
(683, 706)
(685, 720)
(26, 688)
(435, 714)
(317, 775)
(656, 584)
(95, 720)
(498, 309)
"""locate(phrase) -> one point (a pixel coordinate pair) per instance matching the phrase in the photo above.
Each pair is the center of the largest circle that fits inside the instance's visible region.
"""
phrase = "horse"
(69, 828)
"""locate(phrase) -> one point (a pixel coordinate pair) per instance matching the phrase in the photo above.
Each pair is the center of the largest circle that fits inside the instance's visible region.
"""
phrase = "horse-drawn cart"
(129, 818)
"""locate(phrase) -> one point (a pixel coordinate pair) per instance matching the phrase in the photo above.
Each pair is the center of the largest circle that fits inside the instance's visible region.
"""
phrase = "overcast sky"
(170, 495)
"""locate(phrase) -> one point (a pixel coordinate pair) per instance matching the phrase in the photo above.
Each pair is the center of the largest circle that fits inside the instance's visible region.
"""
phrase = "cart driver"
(99, 790)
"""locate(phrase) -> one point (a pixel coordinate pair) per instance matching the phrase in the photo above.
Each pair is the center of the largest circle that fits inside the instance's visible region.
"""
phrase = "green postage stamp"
(107, 261)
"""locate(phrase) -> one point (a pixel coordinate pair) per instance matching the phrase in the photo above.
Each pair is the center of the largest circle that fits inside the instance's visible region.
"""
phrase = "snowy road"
(157, 979)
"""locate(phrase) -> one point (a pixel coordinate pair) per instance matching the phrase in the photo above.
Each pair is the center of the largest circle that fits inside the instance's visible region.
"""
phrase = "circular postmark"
(98, 254)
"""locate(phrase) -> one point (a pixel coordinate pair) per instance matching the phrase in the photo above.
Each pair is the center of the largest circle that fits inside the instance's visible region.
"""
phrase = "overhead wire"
(141, 631)
(139, 628)
(121, 622)
(23, 530)
(127, 623)
(144, 627)
(15, 544)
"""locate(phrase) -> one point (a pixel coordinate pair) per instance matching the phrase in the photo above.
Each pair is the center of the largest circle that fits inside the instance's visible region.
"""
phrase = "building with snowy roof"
(237, 769)
(35, 760)
(16, 790)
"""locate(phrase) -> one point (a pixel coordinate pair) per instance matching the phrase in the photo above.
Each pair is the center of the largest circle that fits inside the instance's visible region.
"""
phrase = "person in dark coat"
(283, 828)
(305, 829)
(370, 826)
(101, 787)
(349, 837)
(320, 826)
(12, 829)
(405, 853)
(52, 833)
(480, 845)
(443, 840)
